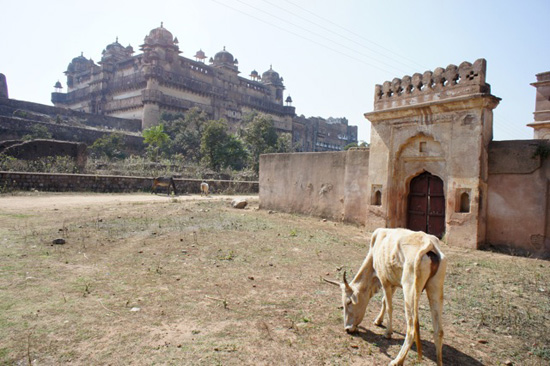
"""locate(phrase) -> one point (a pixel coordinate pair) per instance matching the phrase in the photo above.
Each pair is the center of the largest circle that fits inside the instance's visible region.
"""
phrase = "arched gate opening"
(426, 205)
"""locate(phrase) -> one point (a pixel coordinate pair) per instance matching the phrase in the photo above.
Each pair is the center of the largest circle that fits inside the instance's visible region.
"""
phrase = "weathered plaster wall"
(518, 210)
(330, 185)
(356, 195)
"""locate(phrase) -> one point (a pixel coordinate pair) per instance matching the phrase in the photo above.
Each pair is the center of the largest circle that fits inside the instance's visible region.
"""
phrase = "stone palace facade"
(159, 79)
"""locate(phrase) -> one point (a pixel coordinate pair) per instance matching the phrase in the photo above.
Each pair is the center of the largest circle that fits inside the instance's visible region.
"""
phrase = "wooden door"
(426, 205)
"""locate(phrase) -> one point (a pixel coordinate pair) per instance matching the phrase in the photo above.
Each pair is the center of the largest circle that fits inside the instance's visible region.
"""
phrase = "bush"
(49, 164)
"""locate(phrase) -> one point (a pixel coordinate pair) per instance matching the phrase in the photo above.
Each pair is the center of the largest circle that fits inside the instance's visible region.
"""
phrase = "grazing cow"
(204, 189)
(164, 182)
(399, 258)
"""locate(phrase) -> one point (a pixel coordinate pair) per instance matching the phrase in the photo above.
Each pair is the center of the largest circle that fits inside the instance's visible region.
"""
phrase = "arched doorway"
(426, 205)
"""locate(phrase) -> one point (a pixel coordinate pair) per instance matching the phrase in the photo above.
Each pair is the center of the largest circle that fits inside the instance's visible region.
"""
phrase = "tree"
(110, 146)
(260, 137)
(221, 149)
(284, 143)
(350, 145)
(185, 132)
(37, 132)
(156, 139)
(361, 144)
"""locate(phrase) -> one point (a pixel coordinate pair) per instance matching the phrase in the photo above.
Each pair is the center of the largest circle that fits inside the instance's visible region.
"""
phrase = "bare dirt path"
(26, 203)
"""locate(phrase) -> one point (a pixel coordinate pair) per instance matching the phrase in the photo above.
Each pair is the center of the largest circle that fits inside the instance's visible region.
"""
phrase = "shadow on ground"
(451, 356)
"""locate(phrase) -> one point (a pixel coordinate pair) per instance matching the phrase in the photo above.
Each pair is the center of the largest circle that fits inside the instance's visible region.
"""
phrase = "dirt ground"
(155, 280)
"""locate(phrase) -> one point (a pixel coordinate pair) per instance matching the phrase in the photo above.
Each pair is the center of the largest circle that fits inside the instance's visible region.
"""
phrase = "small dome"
(254, 74)
(270, 73)
(272, 77)
(115, 47)
(226, 60)
(58, 85)
(200, 55)
(159, 36)
(224, 57)
(80, 59)
(116, 52)
(288, 99)
(79, 64)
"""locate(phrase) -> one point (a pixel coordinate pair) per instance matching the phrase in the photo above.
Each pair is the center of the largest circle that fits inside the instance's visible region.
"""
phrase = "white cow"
(399, 258)
(204, 189)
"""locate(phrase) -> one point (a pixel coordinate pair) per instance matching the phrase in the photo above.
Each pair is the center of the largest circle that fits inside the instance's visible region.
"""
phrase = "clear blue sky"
(330, 53)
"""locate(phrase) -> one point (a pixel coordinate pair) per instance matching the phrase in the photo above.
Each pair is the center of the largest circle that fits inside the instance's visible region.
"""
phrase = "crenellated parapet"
(431, 86)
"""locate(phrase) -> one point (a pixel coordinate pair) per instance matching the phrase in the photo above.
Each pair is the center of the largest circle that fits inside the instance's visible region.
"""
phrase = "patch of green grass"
(16, 216)
(542, 352)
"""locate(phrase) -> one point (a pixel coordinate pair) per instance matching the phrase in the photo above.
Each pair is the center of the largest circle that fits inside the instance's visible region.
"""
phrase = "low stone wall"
(14, 128)
(46, 113)
(111, 183)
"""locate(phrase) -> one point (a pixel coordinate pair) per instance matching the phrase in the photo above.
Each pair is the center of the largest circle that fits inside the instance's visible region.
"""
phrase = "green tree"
(185, 132)
(156, 139)
(260, 137)
(110, 146)
(350, 145)
(37, 132)
(221, 149)
(284, 143)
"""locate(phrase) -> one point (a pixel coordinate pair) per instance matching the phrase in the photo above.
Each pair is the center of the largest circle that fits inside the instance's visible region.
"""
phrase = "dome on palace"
(272, 77)
(226, 60)
(159, 36)
(115, 47)
(200, 55)
(224, 57)
(79, 64)
(115, 52)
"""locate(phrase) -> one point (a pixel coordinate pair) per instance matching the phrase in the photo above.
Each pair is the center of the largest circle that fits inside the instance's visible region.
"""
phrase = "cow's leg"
(380, 318)
(434, 290)
(388, 298)
(411, 314)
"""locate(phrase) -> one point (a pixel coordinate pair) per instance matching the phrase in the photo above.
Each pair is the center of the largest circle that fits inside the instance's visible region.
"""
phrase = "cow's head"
(355, 298)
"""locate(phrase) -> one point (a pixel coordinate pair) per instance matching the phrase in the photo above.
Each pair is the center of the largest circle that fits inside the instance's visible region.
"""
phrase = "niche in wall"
(376, 195)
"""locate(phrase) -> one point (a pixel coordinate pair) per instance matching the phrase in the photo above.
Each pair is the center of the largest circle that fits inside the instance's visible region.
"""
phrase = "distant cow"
(399, 258)
(204, 189)
(164, 182)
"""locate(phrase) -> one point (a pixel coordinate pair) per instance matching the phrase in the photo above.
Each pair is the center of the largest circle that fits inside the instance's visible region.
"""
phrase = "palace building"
(143, 86)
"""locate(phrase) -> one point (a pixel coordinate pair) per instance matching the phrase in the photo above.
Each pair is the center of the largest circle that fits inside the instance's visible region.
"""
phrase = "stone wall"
(330, 185)
(14, 128)
(110, 183)
(35, 149)
(518, 212)
(334, 186)
(3, 87)
(45, 113)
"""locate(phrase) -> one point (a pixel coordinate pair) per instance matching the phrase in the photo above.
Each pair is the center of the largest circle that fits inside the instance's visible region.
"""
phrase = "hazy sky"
(330, 53)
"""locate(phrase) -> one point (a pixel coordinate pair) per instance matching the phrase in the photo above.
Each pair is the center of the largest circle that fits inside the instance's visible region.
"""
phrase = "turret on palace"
(159, 79)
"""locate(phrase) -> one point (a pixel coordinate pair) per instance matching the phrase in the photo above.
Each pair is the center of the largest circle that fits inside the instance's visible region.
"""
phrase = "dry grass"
(195, 282)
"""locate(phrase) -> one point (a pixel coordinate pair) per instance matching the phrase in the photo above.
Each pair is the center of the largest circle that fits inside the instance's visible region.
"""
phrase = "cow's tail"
(429, 249)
